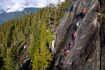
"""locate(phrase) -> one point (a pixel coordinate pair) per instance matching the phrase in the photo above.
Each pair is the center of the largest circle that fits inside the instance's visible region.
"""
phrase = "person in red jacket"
(74, 35)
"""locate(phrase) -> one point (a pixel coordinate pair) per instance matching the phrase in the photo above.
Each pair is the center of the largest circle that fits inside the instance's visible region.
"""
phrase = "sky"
(19, 5)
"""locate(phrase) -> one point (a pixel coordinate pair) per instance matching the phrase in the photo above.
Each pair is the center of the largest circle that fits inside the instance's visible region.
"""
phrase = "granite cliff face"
(85, 51)
(102, 33)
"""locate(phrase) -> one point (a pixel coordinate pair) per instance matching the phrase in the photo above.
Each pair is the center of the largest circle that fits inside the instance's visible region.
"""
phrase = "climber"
(75, 27)
(61, 64)
(82, 14)
(70, 45)
(66, 51)
(74, 35)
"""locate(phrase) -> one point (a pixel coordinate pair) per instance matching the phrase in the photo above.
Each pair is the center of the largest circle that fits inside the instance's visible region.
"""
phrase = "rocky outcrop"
(102, 33)
(102, 38)
(85, 52)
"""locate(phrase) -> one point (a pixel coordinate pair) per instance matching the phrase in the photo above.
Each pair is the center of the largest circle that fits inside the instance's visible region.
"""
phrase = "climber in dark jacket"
(70, 45)
(82, 14)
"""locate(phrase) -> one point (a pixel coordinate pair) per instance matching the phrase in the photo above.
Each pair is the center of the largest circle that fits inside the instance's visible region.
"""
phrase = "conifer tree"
(8, 62)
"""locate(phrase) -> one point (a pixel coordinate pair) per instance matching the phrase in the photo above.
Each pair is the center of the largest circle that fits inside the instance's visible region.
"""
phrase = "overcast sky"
(19, 5)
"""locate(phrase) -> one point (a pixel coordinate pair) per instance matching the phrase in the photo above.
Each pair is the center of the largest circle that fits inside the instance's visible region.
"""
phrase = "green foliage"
(38, 48)
(56, 12)
(8, 65)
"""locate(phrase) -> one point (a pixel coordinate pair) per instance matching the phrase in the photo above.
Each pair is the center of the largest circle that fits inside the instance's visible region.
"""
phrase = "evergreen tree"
(8, 62)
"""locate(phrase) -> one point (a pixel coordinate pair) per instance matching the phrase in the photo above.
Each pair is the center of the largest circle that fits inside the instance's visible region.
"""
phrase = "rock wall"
(85, 53)
(102, 33)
